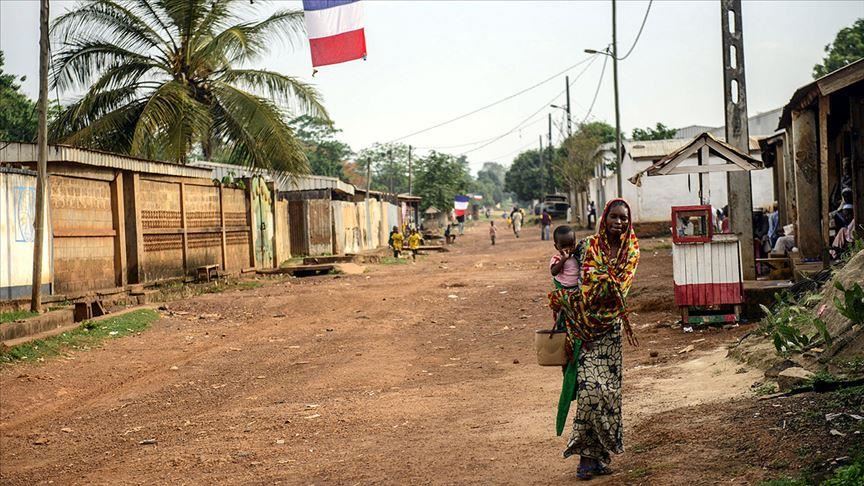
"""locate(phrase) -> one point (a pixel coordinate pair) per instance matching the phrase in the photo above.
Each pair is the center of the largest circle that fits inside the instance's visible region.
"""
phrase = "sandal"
(584, 473)
(602, 470)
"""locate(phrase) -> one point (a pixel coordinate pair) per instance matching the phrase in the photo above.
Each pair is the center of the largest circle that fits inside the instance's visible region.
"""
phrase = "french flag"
(335, 29)
(460, 204)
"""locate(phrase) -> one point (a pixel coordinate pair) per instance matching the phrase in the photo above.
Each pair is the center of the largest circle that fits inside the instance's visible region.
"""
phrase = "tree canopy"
(389, 166)
(162, 76)
(18, 116)
(527, 176)
(326, 154)
(577, 165)
(847, 48)
(440, 177)
(659, 132)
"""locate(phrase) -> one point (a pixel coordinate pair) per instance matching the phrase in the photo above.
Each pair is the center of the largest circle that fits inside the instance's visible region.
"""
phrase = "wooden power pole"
(41, 159)
(739, 190)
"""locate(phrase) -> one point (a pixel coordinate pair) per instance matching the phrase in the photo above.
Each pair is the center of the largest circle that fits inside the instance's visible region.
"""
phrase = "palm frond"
(171, 119)
(80, 61)
(147, 10)
(255, 133)
(285, 90)
(101, 120)
(100, 19)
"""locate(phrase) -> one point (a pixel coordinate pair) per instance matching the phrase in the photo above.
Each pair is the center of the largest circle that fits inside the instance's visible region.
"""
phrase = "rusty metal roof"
(285, 184)
(824, 86)
(16, 152)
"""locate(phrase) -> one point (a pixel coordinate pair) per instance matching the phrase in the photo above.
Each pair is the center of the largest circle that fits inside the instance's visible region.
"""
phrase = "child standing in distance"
(414, 244)
(493, 231)
(396, 241)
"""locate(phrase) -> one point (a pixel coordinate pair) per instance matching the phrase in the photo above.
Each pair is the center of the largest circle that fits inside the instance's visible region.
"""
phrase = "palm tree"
(164, 76)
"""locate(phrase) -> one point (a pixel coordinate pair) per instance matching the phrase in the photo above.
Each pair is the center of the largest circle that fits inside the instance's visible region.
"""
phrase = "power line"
(443, 147)
(490, 105)
(635, 41)
(597, 91)
(532, 115)
(520, 149)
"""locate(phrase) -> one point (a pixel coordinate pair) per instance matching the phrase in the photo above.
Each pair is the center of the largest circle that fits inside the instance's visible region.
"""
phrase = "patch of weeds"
(854, 366)
(765, 389)
(291, 261)
(851, 475)
(389, 260)
(784, 482)
(12, 316)
(249, 284)
(786, 323)
(639, 472)
(88, 335)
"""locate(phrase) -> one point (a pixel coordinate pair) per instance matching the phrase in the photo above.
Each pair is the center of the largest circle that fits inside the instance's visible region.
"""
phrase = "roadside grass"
(12, 316)
(389, 260)
(90, 334)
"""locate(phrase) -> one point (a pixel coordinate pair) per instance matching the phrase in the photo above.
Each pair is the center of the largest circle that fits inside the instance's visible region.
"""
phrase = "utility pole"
(390, 160)
(549, 168)
(618, 154)
(410, 173)
(738, 185)
(41, 159)
(569, 122)
(368, 201)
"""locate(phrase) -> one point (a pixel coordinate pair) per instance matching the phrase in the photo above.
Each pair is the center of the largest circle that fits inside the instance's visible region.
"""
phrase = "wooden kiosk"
(707, 269)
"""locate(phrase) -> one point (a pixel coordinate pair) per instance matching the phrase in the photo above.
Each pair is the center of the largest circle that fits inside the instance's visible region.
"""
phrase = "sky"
(432, 61)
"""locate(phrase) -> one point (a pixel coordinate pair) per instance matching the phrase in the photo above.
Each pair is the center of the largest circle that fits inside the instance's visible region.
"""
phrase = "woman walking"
(593, 315)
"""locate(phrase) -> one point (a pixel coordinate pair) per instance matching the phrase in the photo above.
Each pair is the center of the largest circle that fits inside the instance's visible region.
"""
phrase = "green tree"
(389, 166)
(580, 156)
(527, 176)
(162, 76)
(440, 177)
(659, 132)
(604, 132)
(847, 48)
(326, 154)
(18, 116)
(490, 179)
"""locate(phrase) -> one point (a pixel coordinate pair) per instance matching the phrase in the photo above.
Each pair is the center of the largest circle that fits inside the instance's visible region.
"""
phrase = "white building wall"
(17, 236)
(652, 202)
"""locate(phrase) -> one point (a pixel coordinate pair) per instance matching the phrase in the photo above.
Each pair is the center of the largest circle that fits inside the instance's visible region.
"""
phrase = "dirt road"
(406, 374)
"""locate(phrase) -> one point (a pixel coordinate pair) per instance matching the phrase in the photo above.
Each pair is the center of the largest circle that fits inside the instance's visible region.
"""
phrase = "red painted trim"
(338, 48)
(692, 239)
(708, 294)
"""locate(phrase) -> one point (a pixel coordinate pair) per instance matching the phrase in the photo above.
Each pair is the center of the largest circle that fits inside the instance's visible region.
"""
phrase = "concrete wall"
(17, 216)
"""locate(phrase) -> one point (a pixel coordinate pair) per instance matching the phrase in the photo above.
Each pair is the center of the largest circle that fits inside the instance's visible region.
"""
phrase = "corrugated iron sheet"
(302, 183)
(15, 152)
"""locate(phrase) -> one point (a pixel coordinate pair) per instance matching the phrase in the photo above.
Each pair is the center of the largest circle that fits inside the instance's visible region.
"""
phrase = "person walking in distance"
(516, 216)
(396, 240)
(592, 214)
(545, 225)
(493, 232)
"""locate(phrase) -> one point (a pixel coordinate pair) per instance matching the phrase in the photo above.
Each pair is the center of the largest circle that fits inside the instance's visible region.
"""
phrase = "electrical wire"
(636, 40)
(513, 152)
(597, 91)
(490, 105)
(443, 147)
(532, 115)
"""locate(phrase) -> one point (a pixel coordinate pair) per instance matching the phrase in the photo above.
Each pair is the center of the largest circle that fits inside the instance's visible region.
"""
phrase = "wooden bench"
(207, 273)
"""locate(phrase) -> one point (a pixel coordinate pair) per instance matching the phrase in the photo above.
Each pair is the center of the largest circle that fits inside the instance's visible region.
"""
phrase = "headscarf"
(606, 280)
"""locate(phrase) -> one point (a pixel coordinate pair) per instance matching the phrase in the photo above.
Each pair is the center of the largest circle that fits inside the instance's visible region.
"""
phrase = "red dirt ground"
(405, 374)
